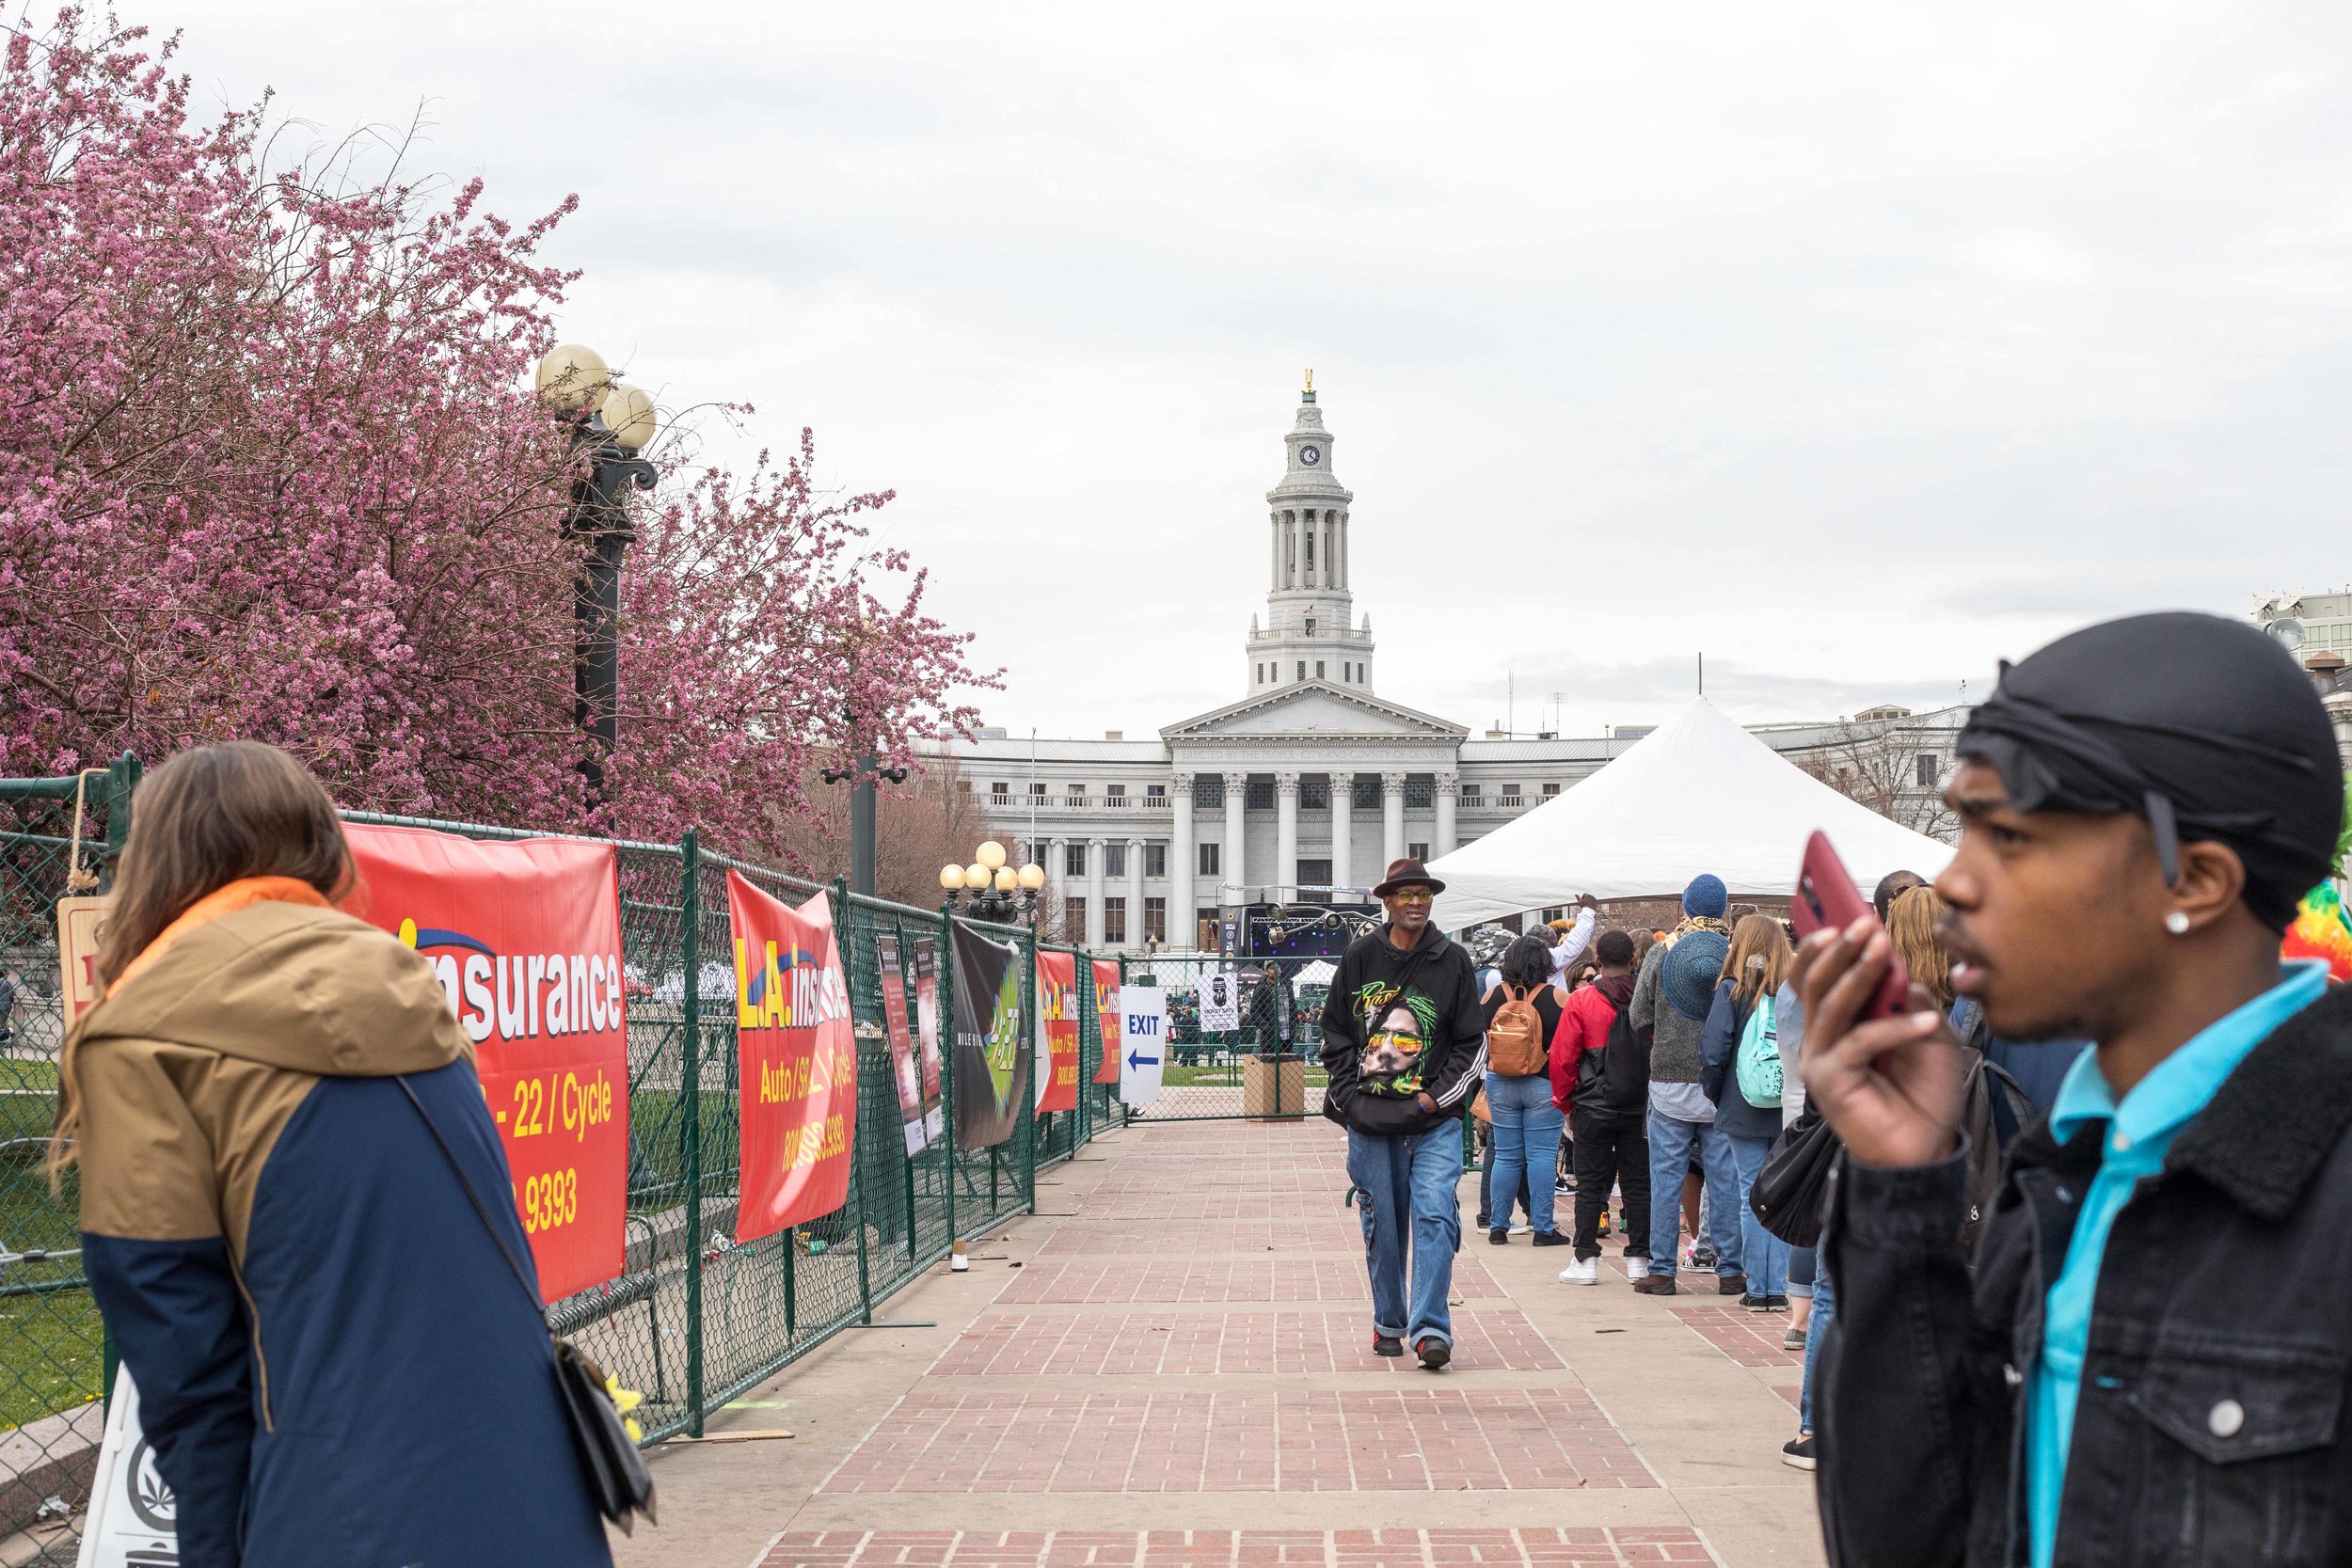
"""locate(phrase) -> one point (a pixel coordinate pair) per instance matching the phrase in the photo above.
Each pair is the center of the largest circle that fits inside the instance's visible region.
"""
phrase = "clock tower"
(1310, 633)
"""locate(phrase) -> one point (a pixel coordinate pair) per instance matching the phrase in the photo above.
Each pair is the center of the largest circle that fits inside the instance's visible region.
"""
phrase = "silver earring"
(2176, 922)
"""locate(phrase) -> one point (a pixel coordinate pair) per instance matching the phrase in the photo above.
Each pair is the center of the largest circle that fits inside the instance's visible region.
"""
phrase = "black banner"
(992, 1058)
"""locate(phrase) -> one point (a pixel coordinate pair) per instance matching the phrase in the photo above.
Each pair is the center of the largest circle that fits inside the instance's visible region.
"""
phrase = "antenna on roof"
(1702, 674)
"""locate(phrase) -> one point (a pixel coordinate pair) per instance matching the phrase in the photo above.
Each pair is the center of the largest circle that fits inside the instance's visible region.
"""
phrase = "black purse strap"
(537, 1309)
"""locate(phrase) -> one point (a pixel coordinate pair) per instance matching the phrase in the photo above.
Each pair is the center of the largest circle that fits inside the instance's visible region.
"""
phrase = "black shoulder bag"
(615, 1471)
(1788, 1193)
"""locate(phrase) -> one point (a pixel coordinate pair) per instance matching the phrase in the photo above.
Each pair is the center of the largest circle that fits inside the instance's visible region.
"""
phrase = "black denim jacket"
(2210, 1425)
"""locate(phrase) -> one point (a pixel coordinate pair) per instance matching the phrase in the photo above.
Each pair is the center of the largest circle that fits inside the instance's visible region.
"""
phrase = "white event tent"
(1697, 793)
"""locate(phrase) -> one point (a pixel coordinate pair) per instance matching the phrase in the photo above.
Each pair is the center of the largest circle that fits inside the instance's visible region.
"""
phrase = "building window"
(1315, 794)
(1204, 930)
(1074, 919)
(1928, 769)
(1211, 859)
(1114, 860)
(1310, 620)
(1470, 791)
(1318, 669)
(1155, 920)
(1115, 921)
(1367, 792)
(1208, 790)
(1419, 851)
(1302, 669)
(1077, 795)
(1156, 860)
(1550, 790)
(1314, 874)
(1511, 797)
(1260, 795)
(1115, 795)
(997, 793)
(1073, 860)
(1262, 674)
(1417, 793)
(964, 784)
(1037, 790)
(1558, 911)
(1155, 792)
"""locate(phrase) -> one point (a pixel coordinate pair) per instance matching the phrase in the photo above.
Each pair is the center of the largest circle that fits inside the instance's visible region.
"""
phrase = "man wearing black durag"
(2149, 1365)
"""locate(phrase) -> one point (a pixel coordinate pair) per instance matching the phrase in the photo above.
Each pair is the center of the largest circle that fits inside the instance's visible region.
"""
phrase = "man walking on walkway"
(1671, 1000)
(1403, 1050)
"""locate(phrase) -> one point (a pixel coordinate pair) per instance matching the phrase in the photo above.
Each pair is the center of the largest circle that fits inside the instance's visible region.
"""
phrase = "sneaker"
(1776, 1304)
(1655, 1285)
(1702, 1254)
(1798, 1453)
(1731, 1285)
(1584, 1271)
(1521, 1229)
(1434, 1353)
(1792, 1337)
(1564, 1184)
(1750, 1302)
(1637, 1268)
(1498, 1236)
(1387, 1344)
(1552, 1238)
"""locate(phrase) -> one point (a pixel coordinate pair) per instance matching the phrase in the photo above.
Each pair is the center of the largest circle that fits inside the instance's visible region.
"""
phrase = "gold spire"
(1310, 378)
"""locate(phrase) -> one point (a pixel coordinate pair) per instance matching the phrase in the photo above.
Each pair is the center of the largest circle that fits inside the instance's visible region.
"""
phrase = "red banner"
(1058, 1020)
(1108, 1024)
(526, 936)
(797, 1053)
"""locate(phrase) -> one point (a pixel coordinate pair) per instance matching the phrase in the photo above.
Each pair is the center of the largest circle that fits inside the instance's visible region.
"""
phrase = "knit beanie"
(1706, 896)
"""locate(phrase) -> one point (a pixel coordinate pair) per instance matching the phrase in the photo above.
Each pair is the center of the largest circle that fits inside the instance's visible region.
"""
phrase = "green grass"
(51, 1346)
(1227, 1075)
(50, 1354)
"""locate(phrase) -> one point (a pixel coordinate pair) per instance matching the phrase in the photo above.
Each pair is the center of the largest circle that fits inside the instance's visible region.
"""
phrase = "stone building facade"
(1311, 781)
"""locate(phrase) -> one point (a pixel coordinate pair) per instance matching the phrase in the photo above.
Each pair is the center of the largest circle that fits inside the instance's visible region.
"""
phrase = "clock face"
(1310, 456)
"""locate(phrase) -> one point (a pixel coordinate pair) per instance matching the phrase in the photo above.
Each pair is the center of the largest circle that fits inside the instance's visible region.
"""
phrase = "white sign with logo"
(1219, 994)
(130, 1523)
(1143, 1043)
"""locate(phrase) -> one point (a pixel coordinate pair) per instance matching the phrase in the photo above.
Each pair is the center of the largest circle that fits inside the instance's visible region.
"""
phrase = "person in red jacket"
(1605, 1091)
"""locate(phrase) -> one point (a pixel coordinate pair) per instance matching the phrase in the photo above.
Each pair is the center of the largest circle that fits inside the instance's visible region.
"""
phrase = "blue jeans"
(1527, 1143)
(1671, 1141)
(1824, 1309)
(1763, 1255)
(1406, 1188)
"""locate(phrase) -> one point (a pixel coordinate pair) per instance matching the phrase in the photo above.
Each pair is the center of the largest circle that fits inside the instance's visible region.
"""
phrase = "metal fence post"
(843, 920)
(690, 1107)
(943, 989)
(1030, 1016)
(123, 781)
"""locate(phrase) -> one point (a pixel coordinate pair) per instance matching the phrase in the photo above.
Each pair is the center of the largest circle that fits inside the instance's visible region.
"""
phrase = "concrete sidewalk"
(1172, 1365)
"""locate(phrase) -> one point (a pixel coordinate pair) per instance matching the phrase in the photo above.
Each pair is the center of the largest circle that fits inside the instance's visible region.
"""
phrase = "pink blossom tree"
(269, 468)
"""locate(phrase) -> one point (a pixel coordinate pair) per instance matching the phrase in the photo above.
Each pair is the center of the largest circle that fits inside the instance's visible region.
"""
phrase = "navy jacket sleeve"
(1465, 1067)
(1719, 1039)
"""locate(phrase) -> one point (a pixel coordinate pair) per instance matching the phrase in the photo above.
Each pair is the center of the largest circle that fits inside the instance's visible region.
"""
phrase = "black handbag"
(1788, 1191)
(617, 1480)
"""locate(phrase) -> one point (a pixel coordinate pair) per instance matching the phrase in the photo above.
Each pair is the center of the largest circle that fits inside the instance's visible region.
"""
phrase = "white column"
(1134, 894)
(1447, 785)
(1181, 855)
(1343, 828)
(1235, 874)
(1057, 880)
(1094, 893)
(1285, 837)
(1391, 818)
(1274, 537)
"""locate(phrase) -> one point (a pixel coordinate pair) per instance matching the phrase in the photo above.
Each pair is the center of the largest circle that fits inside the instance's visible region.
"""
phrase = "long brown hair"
(1910, 923)
(206, 818)
(1758, 959)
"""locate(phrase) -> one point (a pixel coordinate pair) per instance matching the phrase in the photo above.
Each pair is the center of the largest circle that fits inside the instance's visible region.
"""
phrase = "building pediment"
(1315, 710)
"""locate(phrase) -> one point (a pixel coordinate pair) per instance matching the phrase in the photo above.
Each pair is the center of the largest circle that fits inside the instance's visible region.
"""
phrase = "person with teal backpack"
(1740, 1068)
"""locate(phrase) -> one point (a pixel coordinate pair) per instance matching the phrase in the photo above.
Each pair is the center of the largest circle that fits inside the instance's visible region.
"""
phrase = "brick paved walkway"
(1171, 1366)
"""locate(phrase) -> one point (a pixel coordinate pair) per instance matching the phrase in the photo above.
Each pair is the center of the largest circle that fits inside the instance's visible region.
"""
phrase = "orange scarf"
(228, 898)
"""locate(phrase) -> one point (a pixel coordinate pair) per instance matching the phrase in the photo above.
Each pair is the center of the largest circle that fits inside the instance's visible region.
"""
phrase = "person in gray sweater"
(1671, 1001)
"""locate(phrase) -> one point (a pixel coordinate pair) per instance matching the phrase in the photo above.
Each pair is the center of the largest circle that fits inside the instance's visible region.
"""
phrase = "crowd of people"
(2074, 1281)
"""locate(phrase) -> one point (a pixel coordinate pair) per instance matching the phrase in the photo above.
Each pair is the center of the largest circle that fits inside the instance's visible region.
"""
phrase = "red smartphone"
(1826, 895)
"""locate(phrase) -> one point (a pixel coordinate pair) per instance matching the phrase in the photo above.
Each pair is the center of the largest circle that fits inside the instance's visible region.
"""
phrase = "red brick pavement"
(1411, 1439)
(1106, 1282)
(1012, 1344)
(1144, 1236)
(1624, 1546)
(1751, 1339)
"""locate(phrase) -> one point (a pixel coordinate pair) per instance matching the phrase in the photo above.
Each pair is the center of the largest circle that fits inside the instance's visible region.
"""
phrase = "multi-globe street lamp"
(998, 892)
(610, 423)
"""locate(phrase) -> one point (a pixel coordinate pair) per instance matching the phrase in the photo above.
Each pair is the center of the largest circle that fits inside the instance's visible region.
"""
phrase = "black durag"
(2205, 726)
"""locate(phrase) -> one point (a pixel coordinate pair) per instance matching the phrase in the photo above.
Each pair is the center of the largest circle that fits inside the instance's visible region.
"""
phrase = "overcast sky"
(1856, 348)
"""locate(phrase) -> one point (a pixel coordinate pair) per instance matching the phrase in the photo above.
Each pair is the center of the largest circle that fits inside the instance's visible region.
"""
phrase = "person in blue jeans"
(1748, 1113)
(1671, 1001)
(1526, 1123)
(1404, 1053)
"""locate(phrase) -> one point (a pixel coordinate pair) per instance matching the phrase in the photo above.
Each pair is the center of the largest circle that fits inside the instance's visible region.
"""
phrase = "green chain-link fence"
(1267, 1064)
(694, 1320)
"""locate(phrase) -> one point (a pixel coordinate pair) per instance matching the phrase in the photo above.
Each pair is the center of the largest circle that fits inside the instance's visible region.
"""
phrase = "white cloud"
(1858, 345)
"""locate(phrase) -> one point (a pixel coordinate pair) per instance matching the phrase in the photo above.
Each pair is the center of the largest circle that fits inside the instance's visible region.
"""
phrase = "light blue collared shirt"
(2139, 1131)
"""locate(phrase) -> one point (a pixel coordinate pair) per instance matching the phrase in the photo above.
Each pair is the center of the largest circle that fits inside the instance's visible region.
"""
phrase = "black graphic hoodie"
(1401, 1024)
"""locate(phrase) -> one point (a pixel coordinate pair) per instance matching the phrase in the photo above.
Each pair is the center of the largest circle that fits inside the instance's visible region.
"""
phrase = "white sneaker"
(1583, 1271)
(1523, 1229)
(1637, 1268)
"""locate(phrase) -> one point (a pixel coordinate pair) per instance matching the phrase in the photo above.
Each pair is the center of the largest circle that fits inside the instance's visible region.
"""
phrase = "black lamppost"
(860, 775)
(998, 892)
(609, 425)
